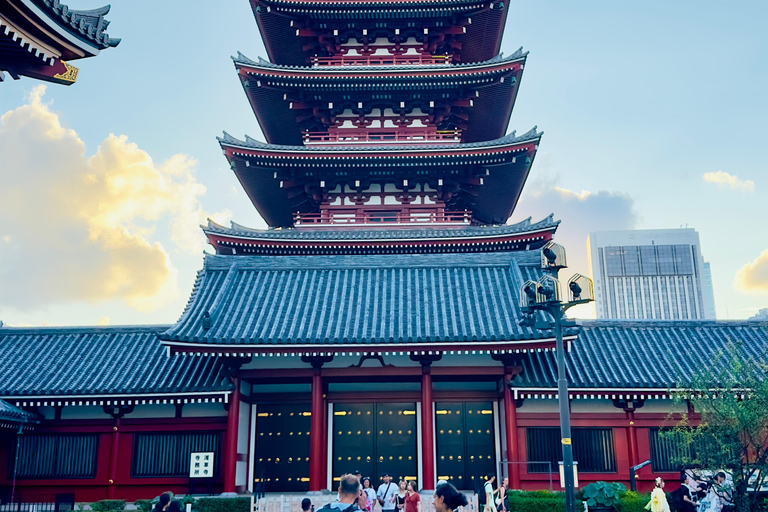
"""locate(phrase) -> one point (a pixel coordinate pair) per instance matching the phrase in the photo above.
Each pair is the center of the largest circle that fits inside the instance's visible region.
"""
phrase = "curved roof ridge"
(510, 138)
(243, 59)
(90, 23)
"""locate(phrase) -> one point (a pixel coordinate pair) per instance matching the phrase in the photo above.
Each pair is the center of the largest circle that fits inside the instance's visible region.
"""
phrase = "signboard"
(201, 465)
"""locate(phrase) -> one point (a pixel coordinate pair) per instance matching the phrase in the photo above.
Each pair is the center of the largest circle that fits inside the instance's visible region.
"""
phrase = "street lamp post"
(544, 295)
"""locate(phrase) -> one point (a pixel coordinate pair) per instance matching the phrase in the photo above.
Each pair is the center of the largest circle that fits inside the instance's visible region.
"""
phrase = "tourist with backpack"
(349, 496)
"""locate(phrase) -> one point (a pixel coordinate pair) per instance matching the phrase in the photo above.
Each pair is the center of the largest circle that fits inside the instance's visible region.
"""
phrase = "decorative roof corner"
(242, 59)
(90, 24)
(519, 53)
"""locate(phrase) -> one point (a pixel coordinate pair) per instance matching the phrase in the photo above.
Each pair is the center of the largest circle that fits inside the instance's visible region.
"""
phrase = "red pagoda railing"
(352, 136)
(357, 218)
(381, 60)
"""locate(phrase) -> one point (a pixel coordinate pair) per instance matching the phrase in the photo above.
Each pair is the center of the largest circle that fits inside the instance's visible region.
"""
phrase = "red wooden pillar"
(324, 442)
(427, 434)
(113, 455)
(316, 440)
(510, 426)
(632, 438)
(233, 420)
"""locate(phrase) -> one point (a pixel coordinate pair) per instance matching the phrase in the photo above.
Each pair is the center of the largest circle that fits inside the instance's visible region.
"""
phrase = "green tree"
(729, 427)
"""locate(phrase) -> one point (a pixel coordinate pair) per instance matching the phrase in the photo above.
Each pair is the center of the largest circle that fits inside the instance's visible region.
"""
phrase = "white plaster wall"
(538, 406)
(259, 389)
(202, 410)
(662, 406)
(595, 406)
(241, 473)
(242, 427)
(48, 413)
(153, 411)
(374, 386)
(464, 386)
(84, 412)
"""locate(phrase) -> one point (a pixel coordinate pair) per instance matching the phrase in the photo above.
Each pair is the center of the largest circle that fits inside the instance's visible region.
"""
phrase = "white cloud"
(753, 277)
(79, 228)
(723, 179)
(580, 213)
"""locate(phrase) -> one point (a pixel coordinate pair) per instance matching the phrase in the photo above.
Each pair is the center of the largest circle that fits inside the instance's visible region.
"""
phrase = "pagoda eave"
(488, 93)
(481, 41)
(201, 347)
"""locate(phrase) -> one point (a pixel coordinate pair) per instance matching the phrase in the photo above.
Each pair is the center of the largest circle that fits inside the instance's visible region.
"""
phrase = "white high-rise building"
(650, 274)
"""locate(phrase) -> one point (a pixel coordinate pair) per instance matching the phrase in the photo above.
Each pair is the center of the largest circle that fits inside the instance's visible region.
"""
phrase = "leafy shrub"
(108, 506)
(144, 505)
(222, 505)
(604, 494)
(633, 502)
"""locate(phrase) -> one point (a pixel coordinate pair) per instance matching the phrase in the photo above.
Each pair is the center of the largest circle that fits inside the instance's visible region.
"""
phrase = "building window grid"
(656, 291)
(613, 263)
(612, 298)
(629, 291)
(683, 293)
(620, 298)
(674, 305)
(648, 260)
(691, 304)
(666, 259)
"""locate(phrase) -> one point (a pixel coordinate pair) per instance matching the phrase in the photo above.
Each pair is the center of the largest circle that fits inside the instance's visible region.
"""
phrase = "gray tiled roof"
(358, 300)
(89, 25)
(511, 138)
(99, 361)
(11, 414)
(641, 354)
(420, 232)
(242, 59)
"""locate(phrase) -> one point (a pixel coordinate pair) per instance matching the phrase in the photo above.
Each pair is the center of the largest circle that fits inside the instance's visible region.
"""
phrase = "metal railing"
(376, 136)
(381, 60)
(330, 217)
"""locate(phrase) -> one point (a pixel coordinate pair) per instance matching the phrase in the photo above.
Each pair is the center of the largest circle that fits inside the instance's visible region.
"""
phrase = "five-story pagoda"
(386, 179)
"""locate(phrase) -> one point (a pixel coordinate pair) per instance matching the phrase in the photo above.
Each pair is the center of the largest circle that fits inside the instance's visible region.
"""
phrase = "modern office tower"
(709, 290)
(650, 274)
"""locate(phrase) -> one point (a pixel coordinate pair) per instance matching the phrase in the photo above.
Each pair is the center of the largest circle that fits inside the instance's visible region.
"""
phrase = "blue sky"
(638, 101)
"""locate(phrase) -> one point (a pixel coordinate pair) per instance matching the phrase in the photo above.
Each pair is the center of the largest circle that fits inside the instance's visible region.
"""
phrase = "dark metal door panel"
(374, 438)
(353, 439)
(466, 445)
(282, 447)
(396, 440)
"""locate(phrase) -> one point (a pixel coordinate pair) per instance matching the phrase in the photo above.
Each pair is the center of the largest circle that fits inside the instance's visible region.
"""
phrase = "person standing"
(386, 493)
(402, 492)
(349, 496)
(448, 499)
(501, 495)
(488, 491)
(658, 501)
(412, 498)
(370, 494)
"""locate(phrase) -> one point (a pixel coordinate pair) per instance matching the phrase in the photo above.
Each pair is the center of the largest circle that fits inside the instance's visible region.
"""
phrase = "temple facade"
(375, 325)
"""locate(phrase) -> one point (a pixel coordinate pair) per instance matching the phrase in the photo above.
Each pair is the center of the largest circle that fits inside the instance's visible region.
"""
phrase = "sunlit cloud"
(580, 213)
(725, 180)
(753, 277)
(80, 228)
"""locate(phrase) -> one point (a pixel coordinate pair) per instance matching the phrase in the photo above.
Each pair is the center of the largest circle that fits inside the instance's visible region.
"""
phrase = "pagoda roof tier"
(239, 239)
(480, 41)
(361, 303)
(492, 172)
(38, 37)
(279, 93)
